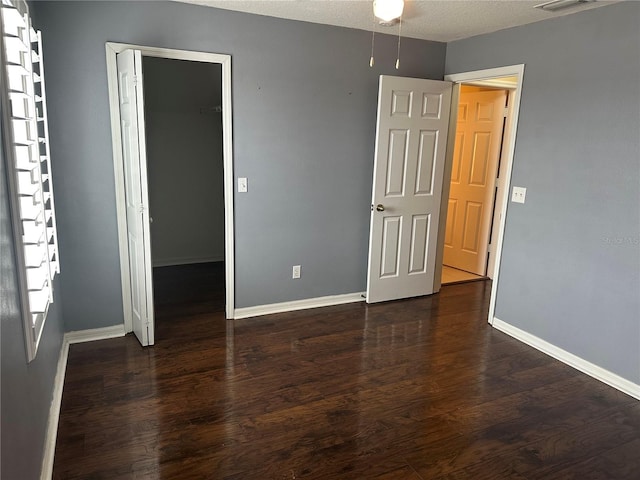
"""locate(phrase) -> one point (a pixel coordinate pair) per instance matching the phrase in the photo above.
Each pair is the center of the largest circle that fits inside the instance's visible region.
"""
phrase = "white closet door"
(131, 99)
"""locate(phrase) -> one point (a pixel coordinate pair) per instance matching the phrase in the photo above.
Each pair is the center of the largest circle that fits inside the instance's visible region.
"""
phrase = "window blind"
(30, 164)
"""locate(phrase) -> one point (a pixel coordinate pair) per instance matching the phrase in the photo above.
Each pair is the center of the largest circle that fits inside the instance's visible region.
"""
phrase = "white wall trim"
(512, 127)
(81, 336)
(112, 49)
(51, 435)
(599, 373)
(317, 302)
(54, 413)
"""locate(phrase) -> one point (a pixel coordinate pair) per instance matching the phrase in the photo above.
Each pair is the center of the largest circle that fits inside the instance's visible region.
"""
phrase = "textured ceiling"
(440, 20)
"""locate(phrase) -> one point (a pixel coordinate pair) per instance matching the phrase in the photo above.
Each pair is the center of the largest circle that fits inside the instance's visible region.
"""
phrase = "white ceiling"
(440, 20)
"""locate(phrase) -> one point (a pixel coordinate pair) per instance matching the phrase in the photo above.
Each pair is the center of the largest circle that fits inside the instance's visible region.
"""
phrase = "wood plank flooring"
(416, 389)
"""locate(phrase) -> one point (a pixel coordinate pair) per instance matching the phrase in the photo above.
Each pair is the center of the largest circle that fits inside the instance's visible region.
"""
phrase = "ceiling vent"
(555, 5)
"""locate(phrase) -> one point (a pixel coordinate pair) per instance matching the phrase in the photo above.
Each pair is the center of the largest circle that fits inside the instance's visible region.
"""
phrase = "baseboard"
(78, 336)
(570, 359)
(54, 413)
(171, 262)
(81, 336)
(297, 305)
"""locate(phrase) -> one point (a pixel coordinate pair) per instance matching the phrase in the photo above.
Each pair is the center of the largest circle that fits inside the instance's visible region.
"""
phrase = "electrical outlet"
(297, 271)
(519, 194)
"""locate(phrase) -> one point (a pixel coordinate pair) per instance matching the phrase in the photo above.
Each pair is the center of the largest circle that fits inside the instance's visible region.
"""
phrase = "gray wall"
(27, 388)
(184, 160)
(304, 102)
(571, 261)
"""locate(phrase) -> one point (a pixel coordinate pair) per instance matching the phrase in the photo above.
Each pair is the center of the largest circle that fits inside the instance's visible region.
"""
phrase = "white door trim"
(112, 49)
(512, 125)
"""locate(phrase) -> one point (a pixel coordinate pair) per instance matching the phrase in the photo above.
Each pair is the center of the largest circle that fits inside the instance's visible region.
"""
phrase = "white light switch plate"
(242, 185)
(518, 195)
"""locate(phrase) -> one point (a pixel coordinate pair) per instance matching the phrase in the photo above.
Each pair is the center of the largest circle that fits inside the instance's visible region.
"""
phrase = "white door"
(136, 195)
(411, 138)
(475, 166)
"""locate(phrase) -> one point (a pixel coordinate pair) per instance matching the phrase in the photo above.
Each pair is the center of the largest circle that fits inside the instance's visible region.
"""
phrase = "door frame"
(112, 49)
(505, 183)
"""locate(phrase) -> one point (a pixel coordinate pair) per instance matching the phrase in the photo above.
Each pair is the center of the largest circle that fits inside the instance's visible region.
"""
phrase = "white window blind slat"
(19, 106)
(13, 21)
(23, 132)
(31, 207)
(37, 278)
(35, 255)
(23, 160)
(28, 182)
(32, 230)
(39, 301)
(18, 78)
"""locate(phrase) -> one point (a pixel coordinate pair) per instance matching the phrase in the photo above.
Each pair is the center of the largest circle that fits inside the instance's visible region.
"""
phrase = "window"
(26, 146)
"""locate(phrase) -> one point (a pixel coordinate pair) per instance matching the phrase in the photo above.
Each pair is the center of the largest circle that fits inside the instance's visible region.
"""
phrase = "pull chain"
(399, 36)
(373, 36)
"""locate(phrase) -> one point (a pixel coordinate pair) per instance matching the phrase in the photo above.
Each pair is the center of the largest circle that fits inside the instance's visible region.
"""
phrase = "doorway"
(183, 130)
(136, 267)
(510, 78)
(470, 229)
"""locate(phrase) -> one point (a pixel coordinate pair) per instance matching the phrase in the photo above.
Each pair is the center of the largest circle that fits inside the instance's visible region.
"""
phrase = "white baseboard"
(297, 305)
(570, 359)
(171, 262)
(78, 336)
(81, 336)
(54, 413)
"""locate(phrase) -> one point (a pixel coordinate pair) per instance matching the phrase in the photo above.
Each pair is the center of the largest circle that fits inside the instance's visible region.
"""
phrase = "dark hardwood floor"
(416, 389)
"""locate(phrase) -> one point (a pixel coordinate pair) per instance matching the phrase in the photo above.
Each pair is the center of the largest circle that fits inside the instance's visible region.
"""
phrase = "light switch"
(518, 194)
(242, 185)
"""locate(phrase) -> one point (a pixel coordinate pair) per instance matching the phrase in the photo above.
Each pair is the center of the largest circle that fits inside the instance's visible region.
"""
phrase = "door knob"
(380, 207)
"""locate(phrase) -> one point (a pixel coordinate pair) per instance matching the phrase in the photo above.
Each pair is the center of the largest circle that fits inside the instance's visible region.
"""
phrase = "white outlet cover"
(297, 271)
(243, 186)
(519, 194)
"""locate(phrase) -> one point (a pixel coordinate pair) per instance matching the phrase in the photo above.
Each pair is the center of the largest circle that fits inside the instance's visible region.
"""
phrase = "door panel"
(471, 227)
(480, 159)
(419, 236)
(391, 246)
(131, 101)
(457, 158)
(397, 162)
(413, 117)
(471, 196)
(426, 154)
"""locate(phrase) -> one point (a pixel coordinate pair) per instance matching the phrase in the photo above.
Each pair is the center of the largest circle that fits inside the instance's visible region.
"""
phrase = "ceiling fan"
(388, 11)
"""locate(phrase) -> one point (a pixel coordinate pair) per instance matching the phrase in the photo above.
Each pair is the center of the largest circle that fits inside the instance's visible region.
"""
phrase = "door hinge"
(505, 113)
(135, 80)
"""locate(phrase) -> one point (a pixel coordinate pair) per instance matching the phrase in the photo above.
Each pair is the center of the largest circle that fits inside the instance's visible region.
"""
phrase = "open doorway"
(514, 74)
(128, 126)
(185, 175)
(475, 188)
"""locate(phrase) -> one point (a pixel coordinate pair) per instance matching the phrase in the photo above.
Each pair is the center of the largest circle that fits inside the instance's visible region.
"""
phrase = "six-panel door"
(413, 117)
